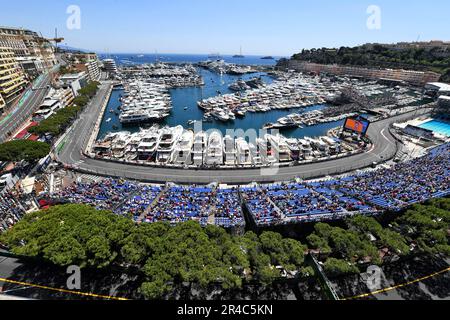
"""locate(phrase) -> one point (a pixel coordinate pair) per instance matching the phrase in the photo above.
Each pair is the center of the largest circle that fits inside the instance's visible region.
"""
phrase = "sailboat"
(240, 55)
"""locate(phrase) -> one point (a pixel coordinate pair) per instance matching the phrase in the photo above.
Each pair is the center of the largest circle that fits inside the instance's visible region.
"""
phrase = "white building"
(63, 95)
(444, 101)
(438, 88)
(75, 81)
(46, 109)
(110, 66)
(93, 70)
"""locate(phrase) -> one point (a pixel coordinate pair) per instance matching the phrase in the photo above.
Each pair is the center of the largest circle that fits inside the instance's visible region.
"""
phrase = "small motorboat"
(240, 113)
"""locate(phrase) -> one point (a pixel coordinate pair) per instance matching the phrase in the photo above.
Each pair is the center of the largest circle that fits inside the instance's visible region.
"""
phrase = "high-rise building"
(417, 78)
(29, 48)
(110, 66)
(93, 70)
(12, 78)
(2, 104)
(87, 63)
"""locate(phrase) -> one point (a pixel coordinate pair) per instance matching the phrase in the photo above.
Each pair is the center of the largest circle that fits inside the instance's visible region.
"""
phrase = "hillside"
(435, 59)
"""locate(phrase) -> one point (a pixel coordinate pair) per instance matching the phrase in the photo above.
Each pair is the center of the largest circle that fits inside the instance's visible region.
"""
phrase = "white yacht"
(132, 146)
(244, 156)
(214, 154)
(183, 148)
(142, 116)
(266, 151)
(229, 149)
(147, 147)
(199, 149)
(318, 145)
(305, 149)
(292, 143)
(280, 147)
(221, 115)
(119, 144)
(256, 157)
(333, 145)
(167, 142)
(144, 102)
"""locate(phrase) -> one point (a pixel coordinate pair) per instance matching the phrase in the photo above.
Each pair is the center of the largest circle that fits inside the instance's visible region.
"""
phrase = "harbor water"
(185, 109)
(130, 59)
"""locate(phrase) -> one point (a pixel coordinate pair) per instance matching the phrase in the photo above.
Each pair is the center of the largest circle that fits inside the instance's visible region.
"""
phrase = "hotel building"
(12, 78)
(33, 52)
(87, 63)
(417, 78)
(2, 105)
(110, 66)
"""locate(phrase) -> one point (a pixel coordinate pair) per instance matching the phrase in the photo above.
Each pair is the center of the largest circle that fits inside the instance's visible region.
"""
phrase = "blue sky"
(272, 27)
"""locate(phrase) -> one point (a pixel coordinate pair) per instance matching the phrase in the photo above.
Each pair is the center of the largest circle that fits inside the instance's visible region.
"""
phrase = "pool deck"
(420, 122)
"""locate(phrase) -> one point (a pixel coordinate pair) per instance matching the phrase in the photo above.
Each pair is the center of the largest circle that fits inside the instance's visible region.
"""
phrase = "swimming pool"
(437, 127)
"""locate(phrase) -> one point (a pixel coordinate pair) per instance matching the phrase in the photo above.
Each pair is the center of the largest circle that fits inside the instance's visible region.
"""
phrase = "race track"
(384, 148)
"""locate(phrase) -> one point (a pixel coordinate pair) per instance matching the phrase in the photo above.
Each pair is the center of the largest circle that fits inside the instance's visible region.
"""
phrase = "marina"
(224, 151)
(185, 110)
(185, 116)
(170, 75)
(279, 95)
(179, 147)
(143, 102)
(222, 67)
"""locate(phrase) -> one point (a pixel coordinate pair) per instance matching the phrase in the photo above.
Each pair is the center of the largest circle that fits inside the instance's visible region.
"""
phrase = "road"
(16, 117)
(384, 148)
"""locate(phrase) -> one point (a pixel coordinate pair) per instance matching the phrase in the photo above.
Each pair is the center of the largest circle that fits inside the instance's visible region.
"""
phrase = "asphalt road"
(384, 148)
(19, 115)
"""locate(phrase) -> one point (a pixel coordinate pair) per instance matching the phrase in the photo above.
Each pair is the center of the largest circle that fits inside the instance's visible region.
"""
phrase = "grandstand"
(13, 206)
(150, 204)
(383, 190)
(390, 189)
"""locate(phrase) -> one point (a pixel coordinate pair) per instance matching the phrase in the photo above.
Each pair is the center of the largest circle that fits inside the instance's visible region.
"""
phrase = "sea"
(130, 59)
(184, 100)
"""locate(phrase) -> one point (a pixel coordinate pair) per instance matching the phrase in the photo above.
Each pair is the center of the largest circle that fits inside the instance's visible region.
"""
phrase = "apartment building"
(74, 81)
(88, 63)
(417, 78)
(56, 99)
(93, 70)
(12, 78)
(29, 48)
(2, 105)
(64, 95)
(110, 66)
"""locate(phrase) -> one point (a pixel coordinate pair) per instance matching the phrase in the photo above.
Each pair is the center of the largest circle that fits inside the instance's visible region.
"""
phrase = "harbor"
(179, 147)
(185, 110)
(186, 115)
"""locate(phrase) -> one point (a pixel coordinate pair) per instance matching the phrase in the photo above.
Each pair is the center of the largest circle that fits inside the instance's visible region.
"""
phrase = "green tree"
(337, 267)
(18, 150)
(68, 234)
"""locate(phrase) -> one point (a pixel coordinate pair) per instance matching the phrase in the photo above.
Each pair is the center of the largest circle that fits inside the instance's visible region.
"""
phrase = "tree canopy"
(381, 56)
(18, 150)
(171, 255)
(80, 235)
(428, 226)
(59, 121)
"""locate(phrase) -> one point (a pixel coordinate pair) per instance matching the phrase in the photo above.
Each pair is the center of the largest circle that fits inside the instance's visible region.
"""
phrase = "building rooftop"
(49, 102)
(440, 85)
(73, 76)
